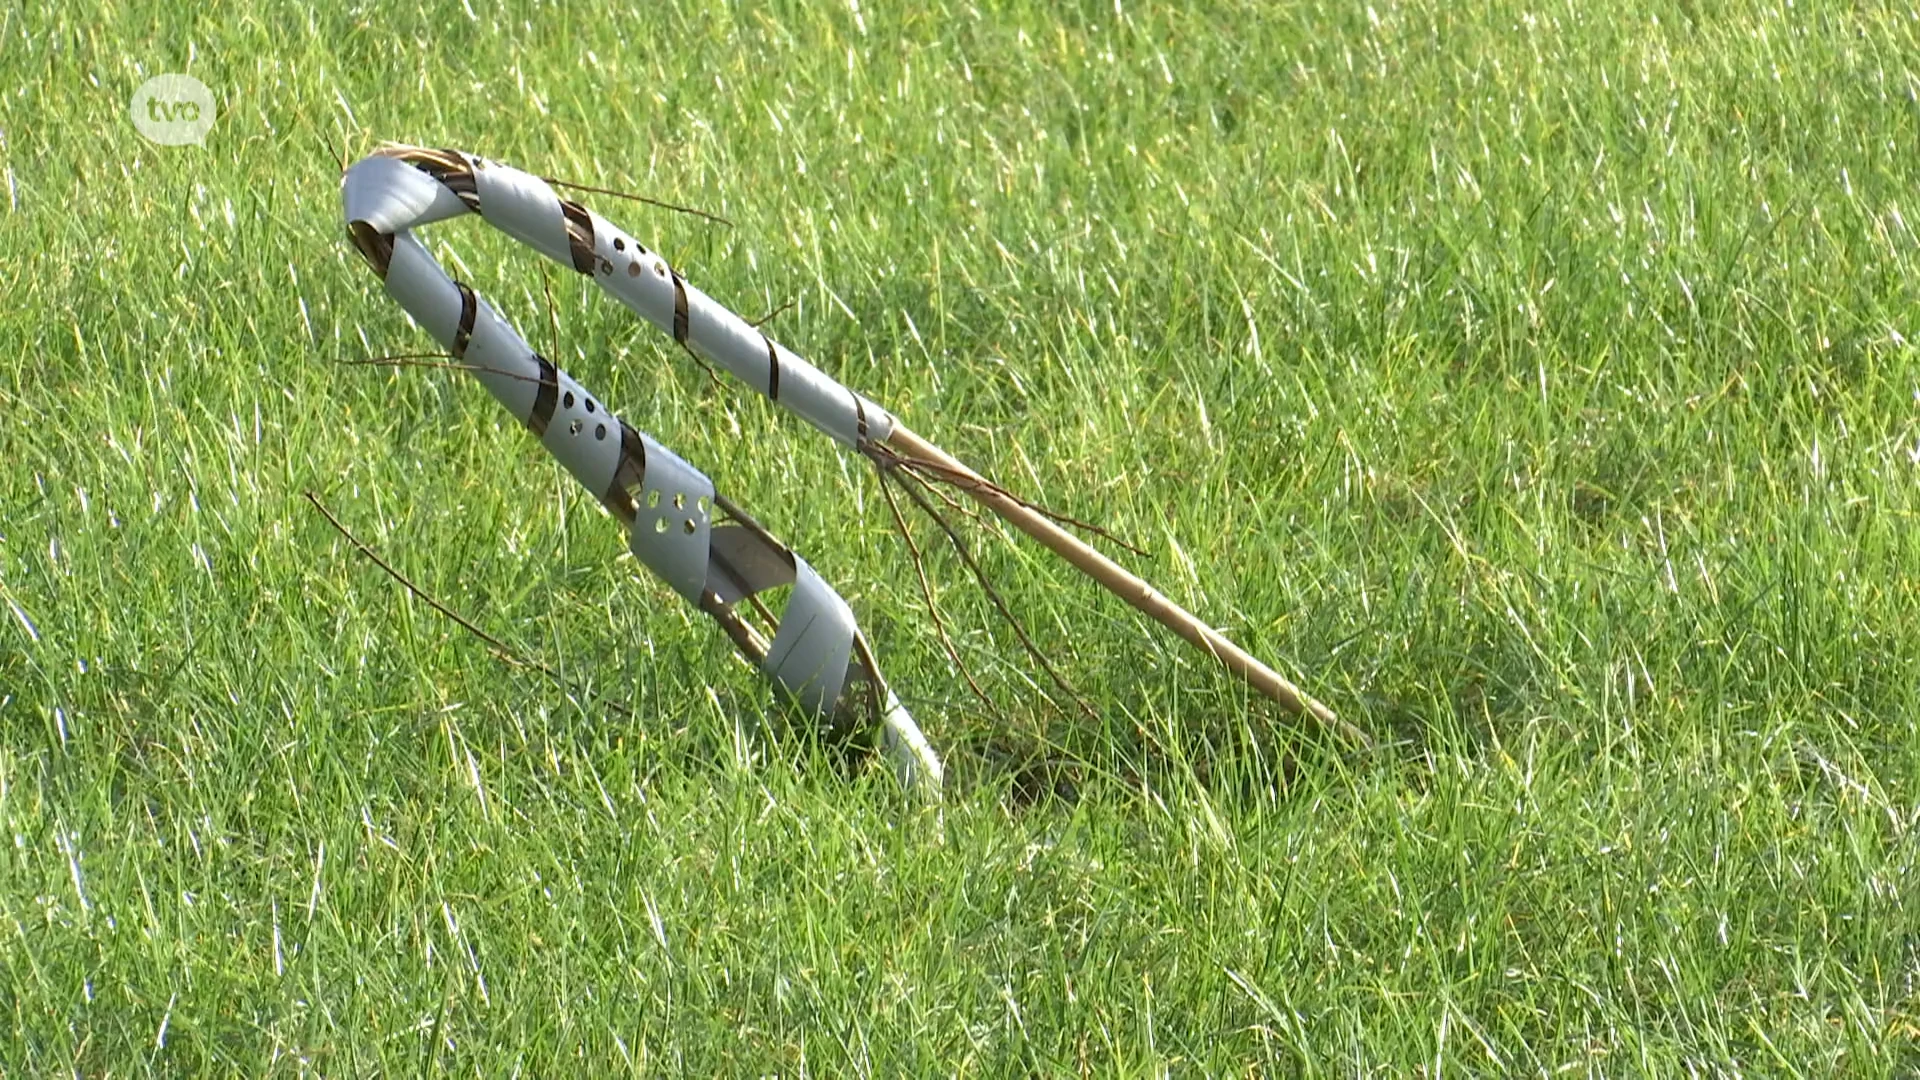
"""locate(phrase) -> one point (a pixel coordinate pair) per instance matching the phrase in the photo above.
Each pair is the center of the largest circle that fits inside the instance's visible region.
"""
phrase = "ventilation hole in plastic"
(705, 504)
(680, 500)
(566, 400)
(659, 525)
(590, 405)
(691, 527)
(574, 428)
(653, 498)
(619, 244)
(633, 268)
(659, 269)
(600, 431)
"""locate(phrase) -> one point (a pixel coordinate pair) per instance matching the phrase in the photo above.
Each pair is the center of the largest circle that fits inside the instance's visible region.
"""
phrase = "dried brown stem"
(953, 504)
(993, 594)
(675, 207)
(500, 648)
(926, 590)
(771, 315)
(712, 375)
(553, 314)
(1129, 587)
(975, 484)
(434, 360)
(338, 159)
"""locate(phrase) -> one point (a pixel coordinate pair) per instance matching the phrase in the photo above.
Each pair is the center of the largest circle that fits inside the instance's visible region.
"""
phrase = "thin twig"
(712, 375)
(926, 590)
(675, 207)
(974, 484)
(769, 316)
(745, 520)
(898, 460)
(766, 613)
(500, 648)
(980, 483)
(961, 508)
(986, 585)
(553, 315)
(338, 159)
(433, 360)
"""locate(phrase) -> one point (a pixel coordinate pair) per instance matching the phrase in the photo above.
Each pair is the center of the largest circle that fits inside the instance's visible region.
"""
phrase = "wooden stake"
(1126, 585)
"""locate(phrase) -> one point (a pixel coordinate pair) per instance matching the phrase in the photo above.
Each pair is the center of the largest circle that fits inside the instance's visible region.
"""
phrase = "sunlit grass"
(1533, 384)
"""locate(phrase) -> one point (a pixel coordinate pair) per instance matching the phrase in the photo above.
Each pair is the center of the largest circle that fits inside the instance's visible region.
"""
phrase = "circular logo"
(173, 110)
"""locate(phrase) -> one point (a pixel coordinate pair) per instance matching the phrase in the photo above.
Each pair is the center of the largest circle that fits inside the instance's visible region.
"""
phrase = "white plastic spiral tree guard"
(400, 188)
(817, 655)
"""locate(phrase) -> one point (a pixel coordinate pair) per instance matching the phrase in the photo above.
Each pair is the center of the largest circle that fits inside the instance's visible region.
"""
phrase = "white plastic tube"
(816, 652)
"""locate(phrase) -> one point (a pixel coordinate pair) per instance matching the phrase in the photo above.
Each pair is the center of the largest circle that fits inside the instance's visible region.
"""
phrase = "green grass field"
(1534, 384)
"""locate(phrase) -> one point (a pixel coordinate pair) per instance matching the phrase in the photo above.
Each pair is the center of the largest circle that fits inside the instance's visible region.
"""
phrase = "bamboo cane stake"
(1123, 583)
